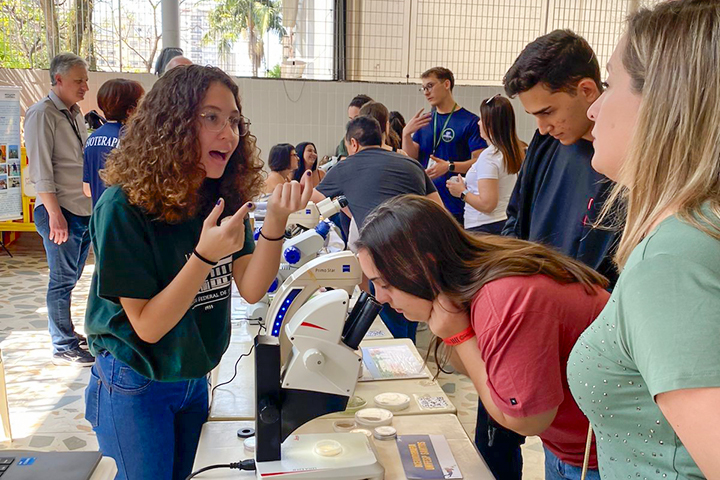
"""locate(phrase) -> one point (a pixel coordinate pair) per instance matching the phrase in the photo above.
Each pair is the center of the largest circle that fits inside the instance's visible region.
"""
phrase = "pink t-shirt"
(526, 327)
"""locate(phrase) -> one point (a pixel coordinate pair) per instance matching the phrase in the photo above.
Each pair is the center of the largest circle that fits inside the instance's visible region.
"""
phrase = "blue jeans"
(151, 429)
(556, 469)
(66, 262)
(399, 326)
(499, 447)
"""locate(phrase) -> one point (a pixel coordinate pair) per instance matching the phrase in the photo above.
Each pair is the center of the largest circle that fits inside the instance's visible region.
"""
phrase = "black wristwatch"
(451, 167)
(464, 194)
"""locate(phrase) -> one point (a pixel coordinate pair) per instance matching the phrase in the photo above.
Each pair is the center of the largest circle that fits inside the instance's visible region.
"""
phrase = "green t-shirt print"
(137, 257)
(658, 333)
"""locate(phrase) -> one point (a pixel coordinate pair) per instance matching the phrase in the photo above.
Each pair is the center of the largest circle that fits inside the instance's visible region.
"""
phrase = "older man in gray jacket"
(55, 136)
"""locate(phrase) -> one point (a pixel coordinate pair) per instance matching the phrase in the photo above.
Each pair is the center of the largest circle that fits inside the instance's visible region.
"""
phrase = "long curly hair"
(157, 163)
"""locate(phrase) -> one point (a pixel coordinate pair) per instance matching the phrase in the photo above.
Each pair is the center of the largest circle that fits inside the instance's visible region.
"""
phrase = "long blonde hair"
(673, 162)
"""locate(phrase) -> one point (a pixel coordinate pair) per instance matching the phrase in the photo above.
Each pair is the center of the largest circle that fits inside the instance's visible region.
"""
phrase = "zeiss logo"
(308, 212)
(346, 268)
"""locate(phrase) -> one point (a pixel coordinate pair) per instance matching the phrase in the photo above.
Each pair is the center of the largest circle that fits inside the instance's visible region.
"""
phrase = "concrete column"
(170, 23)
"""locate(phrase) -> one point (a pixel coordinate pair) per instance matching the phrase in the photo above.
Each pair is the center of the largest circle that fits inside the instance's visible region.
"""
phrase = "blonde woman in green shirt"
(647, 371)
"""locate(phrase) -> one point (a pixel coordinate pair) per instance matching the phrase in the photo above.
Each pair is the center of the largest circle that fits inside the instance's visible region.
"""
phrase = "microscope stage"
(354, 460)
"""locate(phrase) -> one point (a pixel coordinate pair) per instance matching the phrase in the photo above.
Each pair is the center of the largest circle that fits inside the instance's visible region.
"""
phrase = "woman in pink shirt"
(509, 310)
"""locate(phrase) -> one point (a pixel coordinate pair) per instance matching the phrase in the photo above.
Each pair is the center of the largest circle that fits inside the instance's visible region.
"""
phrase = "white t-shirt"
(489, 165)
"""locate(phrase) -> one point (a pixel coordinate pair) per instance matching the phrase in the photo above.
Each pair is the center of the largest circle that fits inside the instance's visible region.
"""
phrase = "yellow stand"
(28, 204)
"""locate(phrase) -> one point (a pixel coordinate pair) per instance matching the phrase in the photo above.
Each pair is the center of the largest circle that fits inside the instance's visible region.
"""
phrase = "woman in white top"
(490, 181)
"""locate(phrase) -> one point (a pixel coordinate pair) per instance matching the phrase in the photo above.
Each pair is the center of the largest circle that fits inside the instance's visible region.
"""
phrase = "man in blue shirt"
(446, 141)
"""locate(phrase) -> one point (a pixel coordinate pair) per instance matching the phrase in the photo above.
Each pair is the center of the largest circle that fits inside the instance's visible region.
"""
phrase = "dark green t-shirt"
(137, 257)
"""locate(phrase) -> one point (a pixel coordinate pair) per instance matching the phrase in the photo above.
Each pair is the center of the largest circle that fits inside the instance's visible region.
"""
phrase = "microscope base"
(357, 461)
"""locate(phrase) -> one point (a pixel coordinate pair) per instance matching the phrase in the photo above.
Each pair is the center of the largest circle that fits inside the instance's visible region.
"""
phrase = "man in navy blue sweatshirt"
(558, 195)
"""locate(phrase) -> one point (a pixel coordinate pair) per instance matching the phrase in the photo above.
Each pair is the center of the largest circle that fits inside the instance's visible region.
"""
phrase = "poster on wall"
(10, 166)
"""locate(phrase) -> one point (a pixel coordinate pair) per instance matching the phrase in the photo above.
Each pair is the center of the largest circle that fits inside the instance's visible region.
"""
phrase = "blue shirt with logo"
(97, 147)
(455, 142)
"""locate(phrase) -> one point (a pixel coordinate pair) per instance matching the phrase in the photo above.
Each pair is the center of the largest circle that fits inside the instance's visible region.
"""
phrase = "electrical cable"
(237, 362)
(235, 372)
(244, 465)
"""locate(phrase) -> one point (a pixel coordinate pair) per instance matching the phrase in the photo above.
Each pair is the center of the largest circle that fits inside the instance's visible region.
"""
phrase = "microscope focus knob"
(323, 228)
(268, 412)
(314, 360)
(292, 255)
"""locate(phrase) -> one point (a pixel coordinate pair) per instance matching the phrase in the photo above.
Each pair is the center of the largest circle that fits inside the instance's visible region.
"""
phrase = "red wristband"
(461, 337)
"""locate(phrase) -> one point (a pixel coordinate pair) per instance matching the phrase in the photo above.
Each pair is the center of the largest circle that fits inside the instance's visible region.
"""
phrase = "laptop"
(31, 465)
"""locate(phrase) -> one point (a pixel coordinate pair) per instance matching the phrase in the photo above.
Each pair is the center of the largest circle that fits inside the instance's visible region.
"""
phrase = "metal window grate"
(380, 40)
(477, 40)
(377, 40)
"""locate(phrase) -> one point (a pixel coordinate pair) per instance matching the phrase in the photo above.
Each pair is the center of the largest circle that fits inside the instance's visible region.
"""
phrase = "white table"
(219, 444)
(236, 400)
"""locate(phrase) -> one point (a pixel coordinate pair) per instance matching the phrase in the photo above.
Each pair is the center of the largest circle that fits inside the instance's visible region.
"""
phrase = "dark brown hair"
(498, 119)
(158, 161)
(558, 60)
(441, 73)
(359, 100)
(118, 97)
(419, 248)
(379, 112)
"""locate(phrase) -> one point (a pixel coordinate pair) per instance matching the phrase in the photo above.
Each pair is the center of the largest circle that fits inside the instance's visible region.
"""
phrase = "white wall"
(287, 110)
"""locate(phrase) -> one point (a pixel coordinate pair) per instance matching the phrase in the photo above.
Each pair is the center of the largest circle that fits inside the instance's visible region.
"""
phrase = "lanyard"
(74, 126)
(436, 141)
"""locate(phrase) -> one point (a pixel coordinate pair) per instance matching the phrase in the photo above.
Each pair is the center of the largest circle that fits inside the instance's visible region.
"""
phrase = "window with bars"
(477, 39)
(360, 40)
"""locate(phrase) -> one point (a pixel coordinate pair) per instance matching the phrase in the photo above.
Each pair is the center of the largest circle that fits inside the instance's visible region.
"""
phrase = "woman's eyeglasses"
(240, 126)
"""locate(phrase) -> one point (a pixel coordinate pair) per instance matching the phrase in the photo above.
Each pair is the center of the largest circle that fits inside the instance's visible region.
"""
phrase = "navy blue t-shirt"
(455, 143)
(557, 199)
(97, 147)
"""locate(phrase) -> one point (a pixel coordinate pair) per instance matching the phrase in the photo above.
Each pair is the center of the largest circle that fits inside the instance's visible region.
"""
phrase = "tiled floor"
(46, 401)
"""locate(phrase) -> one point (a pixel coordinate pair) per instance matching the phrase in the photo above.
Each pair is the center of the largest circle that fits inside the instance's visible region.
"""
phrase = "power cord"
(235, 372)
(237, 362)
(244, 465)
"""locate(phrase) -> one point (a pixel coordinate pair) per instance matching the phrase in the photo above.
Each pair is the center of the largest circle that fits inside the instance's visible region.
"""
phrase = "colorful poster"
(391, 362)
(10, 168)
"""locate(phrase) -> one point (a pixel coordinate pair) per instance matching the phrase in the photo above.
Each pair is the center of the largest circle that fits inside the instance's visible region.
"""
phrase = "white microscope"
(300, 248)
(308, 217)
(316, 376)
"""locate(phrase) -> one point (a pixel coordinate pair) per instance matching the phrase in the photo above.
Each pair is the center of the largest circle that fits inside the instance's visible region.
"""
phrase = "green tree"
(52, 29)
(251, 19)
(274, 72)
(23, 43)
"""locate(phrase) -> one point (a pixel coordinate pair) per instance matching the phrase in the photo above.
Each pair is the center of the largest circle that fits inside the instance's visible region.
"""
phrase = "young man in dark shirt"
(558, 195)
(446, 140)
(368, 177)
